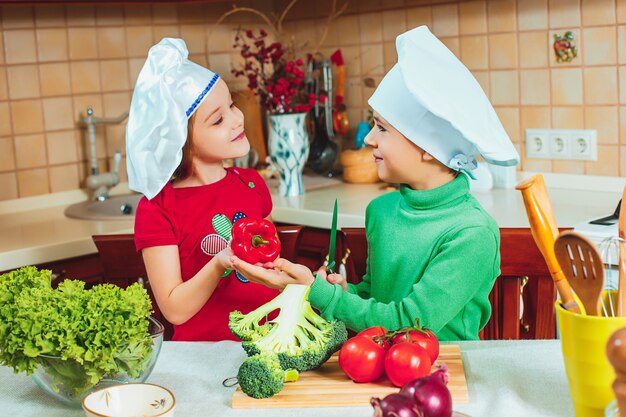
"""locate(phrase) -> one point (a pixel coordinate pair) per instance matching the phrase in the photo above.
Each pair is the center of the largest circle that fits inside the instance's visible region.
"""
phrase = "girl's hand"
(282, 274)
(223, 258)
(332, 278)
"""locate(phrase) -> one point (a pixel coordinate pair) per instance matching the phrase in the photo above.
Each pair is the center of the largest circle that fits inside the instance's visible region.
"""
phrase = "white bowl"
(127, 400)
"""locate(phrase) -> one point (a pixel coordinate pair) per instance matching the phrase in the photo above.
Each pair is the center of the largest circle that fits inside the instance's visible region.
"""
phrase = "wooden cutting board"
(328, 386)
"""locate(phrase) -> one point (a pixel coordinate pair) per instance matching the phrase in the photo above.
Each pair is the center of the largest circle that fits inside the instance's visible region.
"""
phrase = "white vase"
(288, 145)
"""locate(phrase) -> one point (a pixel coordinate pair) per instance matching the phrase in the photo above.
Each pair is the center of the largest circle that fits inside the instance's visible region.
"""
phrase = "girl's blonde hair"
(185, 169)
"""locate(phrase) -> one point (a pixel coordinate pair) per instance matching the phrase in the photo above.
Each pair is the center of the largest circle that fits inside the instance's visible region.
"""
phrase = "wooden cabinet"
(521, 261)
(313, 247)
(86, 268)
(524, 280)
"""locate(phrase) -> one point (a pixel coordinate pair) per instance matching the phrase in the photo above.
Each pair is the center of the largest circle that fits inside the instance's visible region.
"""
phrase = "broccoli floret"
(246, 326)
(261, 376)
(339, 335)
(298, 336)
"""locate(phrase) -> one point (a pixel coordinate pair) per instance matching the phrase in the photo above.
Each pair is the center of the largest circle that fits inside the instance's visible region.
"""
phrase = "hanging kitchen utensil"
(340, 115)
(324, 150)
(583, 268)
(544, 231)
(319, 137)
(327, 77)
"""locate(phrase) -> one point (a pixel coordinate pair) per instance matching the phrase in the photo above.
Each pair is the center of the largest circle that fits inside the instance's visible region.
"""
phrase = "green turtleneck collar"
(440, 197)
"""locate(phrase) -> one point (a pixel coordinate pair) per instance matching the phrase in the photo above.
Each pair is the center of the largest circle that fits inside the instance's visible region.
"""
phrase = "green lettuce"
(97, 333)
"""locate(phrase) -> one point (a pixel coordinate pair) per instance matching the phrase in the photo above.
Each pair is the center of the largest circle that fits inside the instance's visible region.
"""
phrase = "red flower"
(276, 80)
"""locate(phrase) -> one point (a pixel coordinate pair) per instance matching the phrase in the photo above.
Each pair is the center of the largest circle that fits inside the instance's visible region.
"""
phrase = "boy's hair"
(185, 169)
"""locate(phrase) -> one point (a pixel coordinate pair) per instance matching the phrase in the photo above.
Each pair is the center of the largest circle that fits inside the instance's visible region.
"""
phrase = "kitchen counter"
(504, 378)
(35, 230)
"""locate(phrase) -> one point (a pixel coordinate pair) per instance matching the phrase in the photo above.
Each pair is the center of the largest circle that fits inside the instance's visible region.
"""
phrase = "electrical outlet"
(537, 143)
(584, 145)
(573, 144)
(560, 144)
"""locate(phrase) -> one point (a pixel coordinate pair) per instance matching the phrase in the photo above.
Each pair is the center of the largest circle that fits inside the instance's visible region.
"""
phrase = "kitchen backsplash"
(55, 60)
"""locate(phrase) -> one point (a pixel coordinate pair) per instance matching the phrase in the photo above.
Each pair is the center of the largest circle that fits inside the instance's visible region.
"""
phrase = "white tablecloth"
(505, 378)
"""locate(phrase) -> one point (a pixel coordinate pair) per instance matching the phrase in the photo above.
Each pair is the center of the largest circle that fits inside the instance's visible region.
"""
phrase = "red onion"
(431, 394)
(395, 405)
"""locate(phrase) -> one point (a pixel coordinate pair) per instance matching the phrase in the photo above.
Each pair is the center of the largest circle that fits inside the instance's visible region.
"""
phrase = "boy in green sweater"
(433, 251)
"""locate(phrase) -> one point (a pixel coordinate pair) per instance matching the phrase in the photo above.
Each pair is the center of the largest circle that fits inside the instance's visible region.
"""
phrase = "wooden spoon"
(621, 284)
(544, 231)
(583, 268)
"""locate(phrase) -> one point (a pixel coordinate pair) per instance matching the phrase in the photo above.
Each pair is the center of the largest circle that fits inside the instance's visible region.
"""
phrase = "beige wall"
(55, 60)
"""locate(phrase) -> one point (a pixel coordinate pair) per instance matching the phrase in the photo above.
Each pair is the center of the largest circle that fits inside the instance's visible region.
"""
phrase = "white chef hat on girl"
(168, 90)
(432, 98)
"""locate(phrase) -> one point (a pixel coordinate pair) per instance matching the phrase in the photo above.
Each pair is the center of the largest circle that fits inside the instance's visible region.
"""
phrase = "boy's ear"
(427, 157)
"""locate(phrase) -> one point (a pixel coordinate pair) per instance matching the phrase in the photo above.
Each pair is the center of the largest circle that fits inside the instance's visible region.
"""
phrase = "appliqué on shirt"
(241, 277)
(222, 225)
(238, 216)
(212, 244)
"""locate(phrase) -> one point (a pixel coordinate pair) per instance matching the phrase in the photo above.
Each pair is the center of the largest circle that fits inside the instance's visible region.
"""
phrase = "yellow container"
(589, 373)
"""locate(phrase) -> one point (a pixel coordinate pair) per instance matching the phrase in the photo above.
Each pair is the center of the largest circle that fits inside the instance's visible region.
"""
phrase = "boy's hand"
(332, 278)
(277, 274)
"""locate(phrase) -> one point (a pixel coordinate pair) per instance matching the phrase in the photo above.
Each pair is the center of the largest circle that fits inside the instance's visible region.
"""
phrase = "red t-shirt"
(185, 217)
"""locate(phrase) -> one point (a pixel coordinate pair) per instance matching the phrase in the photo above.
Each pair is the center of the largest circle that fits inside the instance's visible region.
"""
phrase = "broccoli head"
(298, 336)
(261, 376)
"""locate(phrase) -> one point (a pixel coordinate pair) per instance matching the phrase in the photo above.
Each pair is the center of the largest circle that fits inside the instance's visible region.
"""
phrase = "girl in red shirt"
(182, 126)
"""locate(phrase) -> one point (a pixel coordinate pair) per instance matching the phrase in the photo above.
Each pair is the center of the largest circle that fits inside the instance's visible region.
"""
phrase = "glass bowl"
(63, 379)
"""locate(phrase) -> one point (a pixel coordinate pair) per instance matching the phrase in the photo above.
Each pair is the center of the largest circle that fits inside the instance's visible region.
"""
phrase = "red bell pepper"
(255, 240)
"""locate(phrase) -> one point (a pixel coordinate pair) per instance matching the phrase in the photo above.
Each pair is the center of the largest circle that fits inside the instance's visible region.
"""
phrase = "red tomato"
(373, 331)
(424, 338)
(405, 362)
(376, 333)
(362, 359)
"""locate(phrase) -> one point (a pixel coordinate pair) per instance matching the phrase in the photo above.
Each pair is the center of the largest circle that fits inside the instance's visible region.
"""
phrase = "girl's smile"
(240, 136)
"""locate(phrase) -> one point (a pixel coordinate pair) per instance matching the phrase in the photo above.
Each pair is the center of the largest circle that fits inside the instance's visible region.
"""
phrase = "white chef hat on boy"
(432, 98)
(168, 90)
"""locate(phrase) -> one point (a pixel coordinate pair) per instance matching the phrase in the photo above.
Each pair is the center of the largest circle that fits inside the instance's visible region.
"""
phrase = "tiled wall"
(507, 44)
(56, 60)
